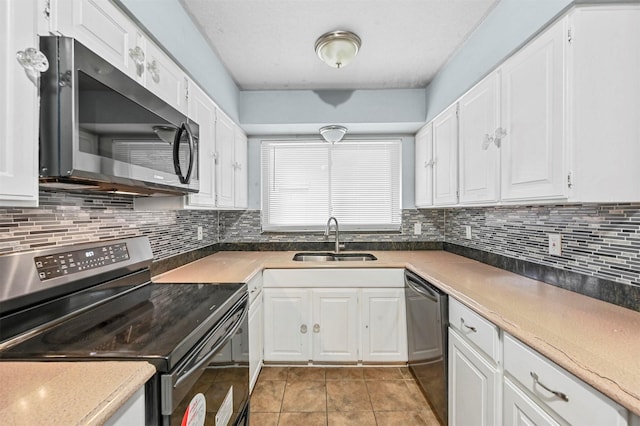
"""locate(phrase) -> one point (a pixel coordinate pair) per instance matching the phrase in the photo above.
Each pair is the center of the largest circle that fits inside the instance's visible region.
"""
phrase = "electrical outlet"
(417, 228)
(199, 233)
(555, 244)
(467, 232)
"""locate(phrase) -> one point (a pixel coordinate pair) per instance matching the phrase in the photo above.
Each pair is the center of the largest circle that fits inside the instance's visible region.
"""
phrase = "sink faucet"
(326, 232)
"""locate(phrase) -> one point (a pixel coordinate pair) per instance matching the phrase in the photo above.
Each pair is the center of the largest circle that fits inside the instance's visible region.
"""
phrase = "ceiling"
(269, 44)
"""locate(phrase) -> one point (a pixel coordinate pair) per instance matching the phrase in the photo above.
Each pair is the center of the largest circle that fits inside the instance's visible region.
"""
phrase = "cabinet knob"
(303, 329)
(137, 56)
(154, 70)
(32, 60)
(316, 328)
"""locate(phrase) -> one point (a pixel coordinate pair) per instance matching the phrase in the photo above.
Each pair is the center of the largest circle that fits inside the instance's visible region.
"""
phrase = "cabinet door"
(384, 325)
(445, 157)
(165, 78)
(479, 146)
(287, 325)
(424, 167)
(203, 111)
(240, 169)
(255, 341)
(335, 325)
(18, 107)
(103, 28)
(473, 386)
(532, 102)
(520, 410)
(604, 131)
(225, 150)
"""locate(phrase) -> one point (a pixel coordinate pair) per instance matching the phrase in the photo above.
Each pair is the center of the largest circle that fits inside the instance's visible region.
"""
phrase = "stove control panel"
(70, 262)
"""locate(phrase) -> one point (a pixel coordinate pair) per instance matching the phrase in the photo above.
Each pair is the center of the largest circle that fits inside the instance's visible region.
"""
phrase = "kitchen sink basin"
(333, 257)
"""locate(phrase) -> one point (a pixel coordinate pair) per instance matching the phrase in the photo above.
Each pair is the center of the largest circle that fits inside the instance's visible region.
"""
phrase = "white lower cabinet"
(305, 325)
(496, 379)
(555, 391)
(255, 340)
(286, 324)
(474, 385)
(384, 325)
(520, 410)
(132, 411)
(334, 315)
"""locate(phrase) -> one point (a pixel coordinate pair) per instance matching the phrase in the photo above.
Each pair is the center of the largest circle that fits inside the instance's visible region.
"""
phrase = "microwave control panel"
(60, 264)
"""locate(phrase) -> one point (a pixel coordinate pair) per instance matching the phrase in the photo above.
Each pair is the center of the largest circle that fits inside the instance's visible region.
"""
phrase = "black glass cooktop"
(156, 322)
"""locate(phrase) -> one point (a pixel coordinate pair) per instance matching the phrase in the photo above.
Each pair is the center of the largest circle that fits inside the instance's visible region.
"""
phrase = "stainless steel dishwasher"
(427, 322)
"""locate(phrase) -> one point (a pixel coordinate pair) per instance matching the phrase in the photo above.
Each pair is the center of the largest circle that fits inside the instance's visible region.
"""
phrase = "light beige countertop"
(67, 393)
(597, 341)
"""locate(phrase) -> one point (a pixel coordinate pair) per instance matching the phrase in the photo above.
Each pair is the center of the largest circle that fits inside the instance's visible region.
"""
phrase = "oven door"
(210, 386)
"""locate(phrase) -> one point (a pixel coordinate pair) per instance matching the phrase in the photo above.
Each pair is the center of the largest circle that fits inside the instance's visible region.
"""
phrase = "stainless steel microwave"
(101, 130)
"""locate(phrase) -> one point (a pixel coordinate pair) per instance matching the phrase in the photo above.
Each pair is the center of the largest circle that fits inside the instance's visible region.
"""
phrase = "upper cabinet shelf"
(556, 122)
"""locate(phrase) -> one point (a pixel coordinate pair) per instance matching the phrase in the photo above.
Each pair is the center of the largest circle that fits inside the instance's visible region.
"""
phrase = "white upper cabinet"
(424, 167)
(103, 28)
(532, 112)
(445, 157)
(231, 164)
(18, 105)
(480, 139)
(604, 103)
(109, 32)
(203, 111)
(165, 78)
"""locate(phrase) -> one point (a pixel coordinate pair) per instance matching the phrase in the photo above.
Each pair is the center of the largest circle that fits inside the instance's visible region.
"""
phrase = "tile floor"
(338, 396)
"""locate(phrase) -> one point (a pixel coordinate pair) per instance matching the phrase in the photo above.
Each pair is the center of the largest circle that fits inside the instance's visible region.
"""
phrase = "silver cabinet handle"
(429, 163)
(316, 328)
(154, 70)
(467, 326)
(560, 395)
(137, 56)
(303, 329)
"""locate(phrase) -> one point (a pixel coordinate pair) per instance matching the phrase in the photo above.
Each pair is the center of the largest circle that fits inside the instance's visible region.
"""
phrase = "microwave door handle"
(184, 127)
(176, 152)
(191, 153)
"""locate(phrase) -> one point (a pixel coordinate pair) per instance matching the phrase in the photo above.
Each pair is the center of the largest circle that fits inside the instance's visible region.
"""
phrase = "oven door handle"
(205, 359)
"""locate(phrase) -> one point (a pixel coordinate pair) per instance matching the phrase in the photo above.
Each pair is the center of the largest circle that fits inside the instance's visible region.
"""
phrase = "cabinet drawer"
(583, 404)
(474, 328)
(332, 278)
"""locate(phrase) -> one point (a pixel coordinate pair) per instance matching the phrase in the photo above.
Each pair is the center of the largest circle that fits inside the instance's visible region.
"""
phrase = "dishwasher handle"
(420, 286)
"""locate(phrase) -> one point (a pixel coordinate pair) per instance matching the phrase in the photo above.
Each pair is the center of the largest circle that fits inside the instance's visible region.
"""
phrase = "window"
(306, 182)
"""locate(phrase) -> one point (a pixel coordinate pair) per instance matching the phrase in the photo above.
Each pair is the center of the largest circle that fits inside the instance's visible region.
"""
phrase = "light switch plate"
(199, 233)
(467, 232)
(555, 244)
(417, 228)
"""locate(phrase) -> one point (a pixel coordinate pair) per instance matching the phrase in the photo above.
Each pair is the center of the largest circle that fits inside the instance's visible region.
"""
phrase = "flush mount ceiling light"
(333, 134)
(338, 48)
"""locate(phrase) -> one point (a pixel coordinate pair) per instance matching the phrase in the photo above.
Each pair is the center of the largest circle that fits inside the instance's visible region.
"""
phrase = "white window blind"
(306, 182)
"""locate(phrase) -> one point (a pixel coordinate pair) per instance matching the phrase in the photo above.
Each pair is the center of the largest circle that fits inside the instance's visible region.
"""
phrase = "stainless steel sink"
(333, 257)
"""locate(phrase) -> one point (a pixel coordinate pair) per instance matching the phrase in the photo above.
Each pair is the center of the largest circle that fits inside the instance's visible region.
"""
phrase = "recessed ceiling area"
(269, 44)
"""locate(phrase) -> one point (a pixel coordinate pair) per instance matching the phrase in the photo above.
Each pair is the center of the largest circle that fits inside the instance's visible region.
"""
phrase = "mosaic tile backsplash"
(600, 240)
(245, 227)
(69, 218)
